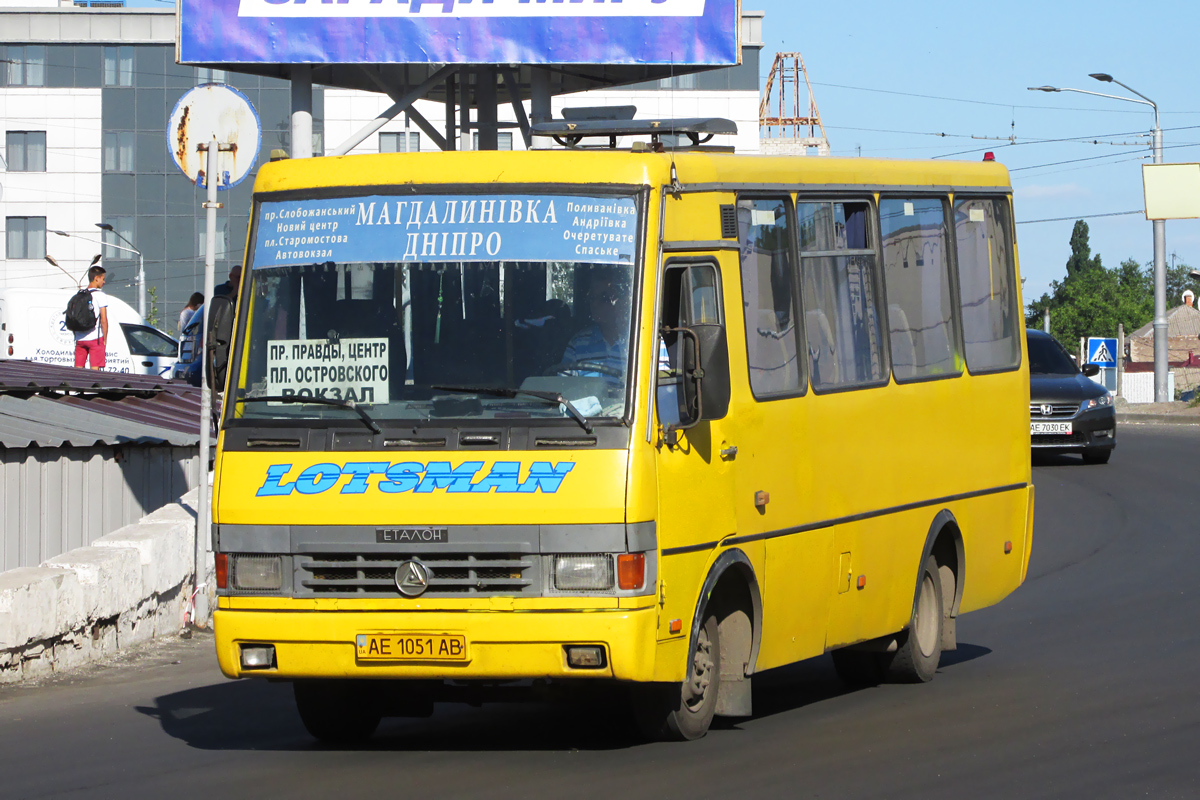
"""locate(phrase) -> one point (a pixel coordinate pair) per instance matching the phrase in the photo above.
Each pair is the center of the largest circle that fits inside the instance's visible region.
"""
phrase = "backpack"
(79, 315)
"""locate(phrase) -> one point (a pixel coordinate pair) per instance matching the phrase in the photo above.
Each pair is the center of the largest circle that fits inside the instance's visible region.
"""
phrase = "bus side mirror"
(694, 385)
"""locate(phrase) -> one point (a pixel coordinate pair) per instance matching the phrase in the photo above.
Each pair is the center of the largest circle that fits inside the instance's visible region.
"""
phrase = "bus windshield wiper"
(499, 391)
(320, 401)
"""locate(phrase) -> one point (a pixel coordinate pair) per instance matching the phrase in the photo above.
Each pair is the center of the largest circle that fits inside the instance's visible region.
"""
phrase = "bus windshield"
(441, 307)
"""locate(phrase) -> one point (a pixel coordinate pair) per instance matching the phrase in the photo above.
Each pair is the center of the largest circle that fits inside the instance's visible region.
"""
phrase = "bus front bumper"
(500, 645)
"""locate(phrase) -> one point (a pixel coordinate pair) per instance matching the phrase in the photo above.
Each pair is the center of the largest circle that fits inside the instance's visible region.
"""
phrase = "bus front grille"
(450, 574)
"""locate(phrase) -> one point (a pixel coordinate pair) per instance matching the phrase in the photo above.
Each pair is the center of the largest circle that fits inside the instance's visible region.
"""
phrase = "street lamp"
(50, 259)
(141, 275)
(104, 226)
(1160, 234)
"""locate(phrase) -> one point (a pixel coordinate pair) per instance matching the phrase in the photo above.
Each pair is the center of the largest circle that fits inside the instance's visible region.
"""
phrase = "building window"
(503, 141)
(399, 142)
(222, 247)
(118, 66)
(118, 151)
(25, 151)
(204, 75)
(117, 248)
(27, 65)
(678, 82)
(26, 237)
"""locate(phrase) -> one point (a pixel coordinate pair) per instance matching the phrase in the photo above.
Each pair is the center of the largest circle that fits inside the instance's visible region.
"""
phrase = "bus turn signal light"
(862, 581)
(222, 571)
(631, 570)
(1007, 548)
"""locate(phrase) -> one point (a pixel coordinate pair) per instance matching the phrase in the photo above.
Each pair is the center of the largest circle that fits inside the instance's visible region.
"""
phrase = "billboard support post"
(401, 105)
(451, 112)
(485, 101)
(302, 138)
(203, 502)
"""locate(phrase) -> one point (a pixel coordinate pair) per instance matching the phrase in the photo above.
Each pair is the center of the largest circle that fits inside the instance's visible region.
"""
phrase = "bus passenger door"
(694, 479)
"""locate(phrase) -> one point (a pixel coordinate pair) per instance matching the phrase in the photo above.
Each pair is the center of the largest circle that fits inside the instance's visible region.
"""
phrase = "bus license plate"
(410, 647)
(1050, 427)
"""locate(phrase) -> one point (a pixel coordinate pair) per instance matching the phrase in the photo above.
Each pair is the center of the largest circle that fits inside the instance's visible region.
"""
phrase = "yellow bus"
(665, 420)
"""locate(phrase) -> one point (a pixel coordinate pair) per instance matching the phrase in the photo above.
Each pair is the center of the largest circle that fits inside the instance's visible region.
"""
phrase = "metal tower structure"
(790, 131)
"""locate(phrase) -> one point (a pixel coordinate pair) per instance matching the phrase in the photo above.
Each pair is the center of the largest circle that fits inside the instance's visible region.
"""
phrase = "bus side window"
(986, 285)
(841, 295)
(692, 303)
(769, 297)
(916, 269)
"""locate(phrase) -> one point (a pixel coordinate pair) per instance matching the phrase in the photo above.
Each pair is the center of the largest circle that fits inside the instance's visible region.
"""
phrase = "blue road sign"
(1101, 352)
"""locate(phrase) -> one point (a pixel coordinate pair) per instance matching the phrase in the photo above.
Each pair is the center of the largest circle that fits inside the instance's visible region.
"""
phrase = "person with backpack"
(87, 317)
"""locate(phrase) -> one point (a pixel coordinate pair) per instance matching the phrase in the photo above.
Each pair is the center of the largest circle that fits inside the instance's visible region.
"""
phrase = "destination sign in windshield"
(442, 228)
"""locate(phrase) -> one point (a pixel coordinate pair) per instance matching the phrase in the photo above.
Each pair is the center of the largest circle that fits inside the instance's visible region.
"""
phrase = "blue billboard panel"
(446, 228)
(684, 32)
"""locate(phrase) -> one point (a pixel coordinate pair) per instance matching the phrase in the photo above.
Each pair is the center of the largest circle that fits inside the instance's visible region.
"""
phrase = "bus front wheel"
(683, 712)
(336, 712)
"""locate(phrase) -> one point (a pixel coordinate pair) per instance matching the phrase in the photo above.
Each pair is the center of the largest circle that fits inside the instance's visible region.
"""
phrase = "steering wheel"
(568, 367)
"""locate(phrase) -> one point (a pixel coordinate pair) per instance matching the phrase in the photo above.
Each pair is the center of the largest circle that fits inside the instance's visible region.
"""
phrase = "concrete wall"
(54, 499)
(127, 587)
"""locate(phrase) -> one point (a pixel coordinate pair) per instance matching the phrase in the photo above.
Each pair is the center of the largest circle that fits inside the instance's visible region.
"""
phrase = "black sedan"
(1067, 412)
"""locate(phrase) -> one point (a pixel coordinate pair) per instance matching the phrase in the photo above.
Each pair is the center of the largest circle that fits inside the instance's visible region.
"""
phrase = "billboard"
(683, 32)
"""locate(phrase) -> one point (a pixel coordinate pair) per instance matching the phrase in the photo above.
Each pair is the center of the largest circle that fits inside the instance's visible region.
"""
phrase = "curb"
(1158, 419)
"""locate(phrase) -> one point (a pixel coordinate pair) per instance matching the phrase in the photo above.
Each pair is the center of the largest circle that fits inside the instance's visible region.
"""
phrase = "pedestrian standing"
(230, 287)
(185, 316)
(89, 344)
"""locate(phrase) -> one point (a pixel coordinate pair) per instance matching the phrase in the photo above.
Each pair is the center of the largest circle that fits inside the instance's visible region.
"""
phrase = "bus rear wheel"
(920, 647)
(684, 712)
(336, 712)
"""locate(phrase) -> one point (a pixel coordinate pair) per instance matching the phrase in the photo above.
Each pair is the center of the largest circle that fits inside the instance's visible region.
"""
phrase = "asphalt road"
(1082, 684)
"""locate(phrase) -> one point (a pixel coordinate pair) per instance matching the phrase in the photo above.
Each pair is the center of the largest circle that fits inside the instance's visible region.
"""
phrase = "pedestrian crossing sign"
(1101, 352)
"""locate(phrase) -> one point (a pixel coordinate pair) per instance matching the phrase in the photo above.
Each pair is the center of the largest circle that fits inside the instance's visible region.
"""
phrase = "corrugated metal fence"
(54, 499)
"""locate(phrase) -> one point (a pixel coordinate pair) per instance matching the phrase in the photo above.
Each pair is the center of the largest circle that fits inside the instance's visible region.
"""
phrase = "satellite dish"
(220, 111)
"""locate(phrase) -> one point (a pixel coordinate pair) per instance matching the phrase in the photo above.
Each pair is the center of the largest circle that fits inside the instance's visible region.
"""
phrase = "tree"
(1093, 300)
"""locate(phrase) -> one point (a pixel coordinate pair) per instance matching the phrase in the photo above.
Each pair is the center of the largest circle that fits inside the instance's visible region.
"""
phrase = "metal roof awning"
(44, 405)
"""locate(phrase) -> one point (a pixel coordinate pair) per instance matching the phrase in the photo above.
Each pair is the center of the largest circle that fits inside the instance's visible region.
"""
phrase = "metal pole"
(1120, 358)
(302, 144)
(485, 100)
(1160, 289)
(540, 109)
(203, 508)
(451, 112)
(1046, 320)
(141, 287)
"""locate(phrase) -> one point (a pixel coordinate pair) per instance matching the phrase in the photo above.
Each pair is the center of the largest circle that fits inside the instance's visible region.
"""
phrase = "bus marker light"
(862, 581)
(761, 499)
(258, 656)
(676, 626)
(631, 570)
(1007, 548)
(989, 156)
(586, 657)
(222, 571)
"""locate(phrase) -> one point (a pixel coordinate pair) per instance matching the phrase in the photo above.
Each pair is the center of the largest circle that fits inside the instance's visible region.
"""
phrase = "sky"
(924, 79)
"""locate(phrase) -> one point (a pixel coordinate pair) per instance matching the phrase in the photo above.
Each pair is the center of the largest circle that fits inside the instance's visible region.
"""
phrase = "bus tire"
(684, 712)
(335, 712)
(920, 647)
(858, 668)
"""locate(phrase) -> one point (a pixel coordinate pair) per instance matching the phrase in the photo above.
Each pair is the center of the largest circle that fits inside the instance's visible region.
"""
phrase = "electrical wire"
(1081, 216)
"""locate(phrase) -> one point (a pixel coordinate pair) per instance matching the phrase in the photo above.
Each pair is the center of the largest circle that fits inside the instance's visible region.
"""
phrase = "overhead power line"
(1080, 216)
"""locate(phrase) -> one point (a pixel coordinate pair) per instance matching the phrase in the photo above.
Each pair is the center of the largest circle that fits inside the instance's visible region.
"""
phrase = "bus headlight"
(583, 573)
(257, 573)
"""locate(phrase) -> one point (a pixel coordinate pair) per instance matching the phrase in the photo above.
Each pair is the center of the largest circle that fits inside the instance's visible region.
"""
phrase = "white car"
(33, 328)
